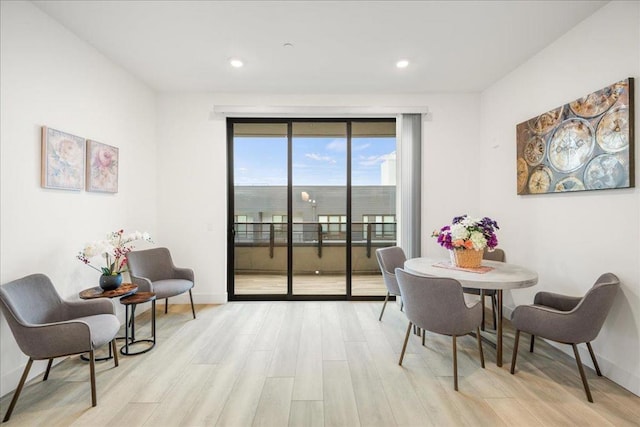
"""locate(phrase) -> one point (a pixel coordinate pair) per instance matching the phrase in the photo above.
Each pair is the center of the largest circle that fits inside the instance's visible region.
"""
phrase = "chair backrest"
(592, 310)
(389, 259)
(31, 300)
(437, 304)
(153, 264)
(495, 255)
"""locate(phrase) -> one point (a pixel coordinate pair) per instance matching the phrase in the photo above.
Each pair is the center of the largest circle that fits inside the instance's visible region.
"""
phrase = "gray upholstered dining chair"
(389, 259)
(153, 271)
(567, 320)
(495, 255)
(45, 326)
(437, 304)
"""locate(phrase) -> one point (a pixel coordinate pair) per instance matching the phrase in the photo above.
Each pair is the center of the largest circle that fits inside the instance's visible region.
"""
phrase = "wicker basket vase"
(466, 258)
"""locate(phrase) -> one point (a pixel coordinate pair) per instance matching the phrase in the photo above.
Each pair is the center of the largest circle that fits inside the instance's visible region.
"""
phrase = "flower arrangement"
(468, 233)
(113, 249)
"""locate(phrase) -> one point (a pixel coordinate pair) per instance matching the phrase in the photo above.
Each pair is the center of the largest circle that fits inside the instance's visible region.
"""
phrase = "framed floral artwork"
(63, 156)
(102, 167)
(587, 144)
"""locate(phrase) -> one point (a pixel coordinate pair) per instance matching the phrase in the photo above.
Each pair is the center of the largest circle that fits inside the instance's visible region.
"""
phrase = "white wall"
(570, 239)
(50, 77)
(193, 183)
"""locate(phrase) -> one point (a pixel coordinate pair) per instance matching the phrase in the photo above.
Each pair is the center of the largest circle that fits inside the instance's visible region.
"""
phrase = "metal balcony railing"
(369, 234)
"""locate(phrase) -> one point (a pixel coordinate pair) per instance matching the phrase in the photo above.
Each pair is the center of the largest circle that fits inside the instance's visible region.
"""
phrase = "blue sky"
(316, 161)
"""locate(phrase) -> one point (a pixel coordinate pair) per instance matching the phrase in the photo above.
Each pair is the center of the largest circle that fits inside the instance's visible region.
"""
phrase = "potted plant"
(114, 250)
(466, 238)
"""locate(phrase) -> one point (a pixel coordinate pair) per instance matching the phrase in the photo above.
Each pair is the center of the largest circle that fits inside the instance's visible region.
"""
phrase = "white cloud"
(319, 158)
(338, 144)
(360, 147)
(376, 160)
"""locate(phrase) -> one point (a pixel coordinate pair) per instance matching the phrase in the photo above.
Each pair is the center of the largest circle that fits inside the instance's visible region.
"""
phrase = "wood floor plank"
(285, 353)
(306, 413)
(268, 333)
(241, 405)
(209, 405)
(372, 402)
(275, 403)
(351, 329)
(133, 414)
(340, 408)
(308, 373)
(332, 338)
(405, 404)
(182, 396)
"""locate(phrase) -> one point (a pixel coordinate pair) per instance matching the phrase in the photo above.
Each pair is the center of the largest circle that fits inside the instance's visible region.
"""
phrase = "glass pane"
(319, 208)
(260, 204)
(373, 202)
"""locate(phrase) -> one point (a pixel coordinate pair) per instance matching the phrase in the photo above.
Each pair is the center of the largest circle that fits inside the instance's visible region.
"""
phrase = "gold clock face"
(523, 174)
(534, 150)
(540, 180)
(613, 130)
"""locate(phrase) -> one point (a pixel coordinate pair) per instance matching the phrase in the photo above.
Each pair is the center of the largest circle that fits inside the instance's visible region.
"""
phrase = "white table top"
(503, 276)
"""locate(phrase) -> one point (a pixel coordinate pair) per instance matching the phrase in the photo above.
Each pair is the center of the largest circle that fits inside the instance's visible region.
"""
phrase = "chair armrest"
(55, 339)
(183, 273)
(557, 325)
(144, 284)
(75, 309)
(557, 301)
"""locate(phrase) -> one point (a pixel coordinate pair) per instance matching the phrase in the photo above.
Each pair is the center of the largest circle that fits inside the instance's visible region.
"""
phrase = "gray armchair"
(437, 304)
(567, 320)
(495, 255)
(389, 259)
(153, 271)
(46, 327)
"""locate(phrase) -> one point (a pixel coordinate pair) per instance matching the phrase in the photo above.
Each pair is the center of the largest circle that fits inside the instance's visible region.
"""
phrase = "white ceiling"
(339, 46)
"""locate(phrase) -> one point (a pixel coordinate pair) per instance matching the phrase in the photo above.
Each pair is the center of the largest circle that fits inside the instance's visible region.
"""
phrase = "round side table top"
(138, 298)
(97, 292)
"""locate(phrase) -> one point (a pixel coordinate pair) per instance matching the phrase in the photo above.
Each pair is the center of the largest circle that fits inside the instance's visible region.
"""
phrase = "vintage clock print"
(586, 144)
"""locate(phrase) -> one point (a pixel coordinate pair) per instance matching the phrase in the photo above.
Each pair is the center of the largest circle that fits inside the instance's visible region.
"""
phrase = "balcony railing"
(319, 234)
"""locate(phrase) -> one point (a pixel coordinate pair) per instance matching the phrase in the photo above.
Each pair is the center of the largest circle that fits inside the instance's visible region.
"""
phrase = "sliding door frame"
(290, 296)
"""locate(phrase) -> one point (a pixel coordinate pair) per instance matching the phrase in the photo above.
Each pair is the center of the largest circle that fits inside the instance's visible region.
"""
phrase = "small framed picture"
(63, 157)
(102, 167)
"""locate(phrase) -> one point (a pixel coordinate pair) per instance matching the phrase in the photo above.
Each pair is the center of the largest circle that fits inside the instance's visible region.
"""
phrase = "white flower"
(478, 240)
(459, 232)
(92, 249)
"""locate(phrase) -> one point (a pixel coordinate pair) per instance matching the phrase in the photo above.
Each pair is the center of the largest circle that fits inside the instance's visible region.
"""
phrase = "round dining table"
(496, 275)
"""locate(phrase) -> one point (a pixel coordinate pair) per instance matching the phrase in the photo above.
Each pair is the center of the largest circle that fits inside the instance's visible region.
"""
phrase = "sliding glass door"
(309, 203)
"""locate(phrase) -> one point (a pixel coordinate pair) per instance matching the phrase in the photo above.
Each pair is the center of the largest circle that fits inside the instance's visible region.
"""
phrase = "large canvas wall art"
(587, 144)
(62, 160)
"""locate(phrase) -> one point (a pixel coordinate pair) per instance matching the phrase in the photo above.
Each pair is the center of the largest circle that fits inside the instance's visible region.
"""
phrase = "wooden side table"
(97, 292)
(132, 301)
(92, 293)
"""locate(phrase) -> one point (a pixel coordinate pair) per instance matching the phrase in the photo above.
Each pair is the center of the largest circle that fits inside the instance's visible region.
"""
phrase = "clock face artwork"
(586, 144)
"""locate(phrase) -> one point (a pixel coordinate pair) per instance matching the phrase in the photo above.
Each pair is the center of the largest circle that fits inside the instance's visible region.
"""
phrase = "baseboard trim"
(197, 299)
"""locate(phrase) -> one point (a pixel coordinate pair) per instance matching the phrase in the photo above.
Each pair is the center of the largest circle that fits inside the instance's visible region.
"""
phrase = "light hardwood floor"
(317, 364)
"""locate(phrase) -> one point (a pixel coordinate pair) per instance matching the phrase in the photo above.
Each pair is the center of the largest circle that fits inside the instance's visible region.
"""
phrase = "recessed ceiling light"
(288, 45)
(236, 63)
(403, 63)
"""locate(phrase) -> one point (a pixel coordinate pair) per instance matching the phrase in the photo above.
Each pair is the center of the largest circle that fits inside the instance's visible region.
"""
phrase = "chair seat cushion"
(171, 287)
(103, 328)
